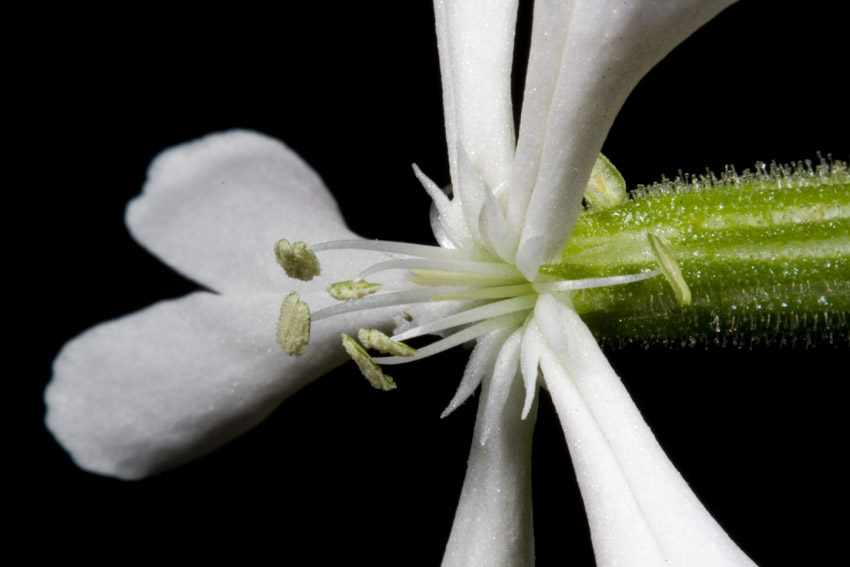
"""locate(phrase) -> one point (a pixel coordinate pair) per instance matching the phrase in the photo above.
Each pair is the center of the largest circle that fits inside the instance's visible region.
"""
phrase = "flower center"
(484, 292)
(487, 294)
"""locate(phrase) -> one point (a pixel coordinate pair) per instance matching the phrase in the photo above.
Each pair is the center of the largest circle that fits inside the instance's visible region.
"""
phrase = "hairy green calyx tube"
(766, 256)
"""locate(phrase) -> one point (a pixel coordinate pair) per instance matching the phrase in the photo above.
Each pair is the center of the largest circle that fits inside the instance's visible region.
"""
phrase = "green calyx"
(765, 255)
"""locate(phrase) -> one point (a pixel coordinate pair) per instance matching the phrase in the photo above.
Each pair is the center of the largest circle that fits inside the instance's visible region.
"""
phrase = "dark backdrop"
(341, 472)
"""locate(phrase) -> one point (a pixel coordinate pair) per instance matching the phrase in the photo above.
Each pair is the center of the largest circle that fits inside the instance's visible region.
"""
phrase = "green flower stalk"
(765, 254)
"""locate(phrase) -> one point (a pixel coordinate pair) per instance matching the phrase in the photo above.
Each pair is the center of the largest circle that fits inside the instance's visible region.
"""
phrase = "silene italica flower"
(539, 246)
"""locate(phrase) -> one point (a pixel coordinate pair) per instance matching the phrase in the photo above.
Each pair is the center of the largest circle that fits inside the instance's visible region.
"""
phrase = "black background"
(342, 472)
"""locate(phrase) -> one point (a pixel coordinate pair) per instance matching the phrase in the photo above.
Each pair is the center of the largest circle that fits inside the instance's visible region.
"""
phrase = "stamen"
(587, 283)
(293, 327)
(352, 289)
(497, 292)
(297, 260)
(384, 300)
(376, 340)
(465, 279)
(670, 268)
(467, 334)
(367, 366)
(460, 266)
(488, 311)
(421, 250)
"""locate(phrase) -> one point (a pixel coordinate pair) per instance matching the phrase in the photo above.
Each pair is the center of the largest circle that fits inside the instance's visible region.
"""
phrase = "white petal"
(493, 523)
(147, 392)
(475, 39)
(505, 373)
(640, 509)
(214, 208)
(586, 56)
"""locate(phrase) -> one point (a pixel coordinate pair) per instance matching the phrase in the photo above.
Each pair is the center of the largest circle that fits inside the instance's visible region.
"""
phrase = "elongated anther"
(367, 366)
(670, 269)
(352, 289)
(293, 327)
(297, 260)
(376, 340)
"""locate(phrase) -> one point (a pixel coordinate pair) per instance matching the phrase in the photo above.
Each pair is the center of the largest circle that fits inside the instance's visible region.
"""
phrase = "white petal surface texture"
(144, 393)
(640, 510)
(586, 56)
(493, 522)
(475, 39)
(147, 392)
(214, 208)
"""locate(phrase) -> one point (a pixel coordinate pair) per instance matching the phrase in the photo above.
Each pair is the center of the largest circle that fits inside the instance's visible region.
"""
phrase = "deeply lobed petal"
(640, 509)
(152, 390)
(475, 40)
(493, 522)
(160, 387)
(586, 56)
(214, 207)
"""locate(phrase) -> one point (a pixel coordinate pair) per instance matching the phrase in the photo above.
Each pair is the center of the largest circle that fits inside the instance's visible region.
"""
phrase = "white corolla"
(147, 392)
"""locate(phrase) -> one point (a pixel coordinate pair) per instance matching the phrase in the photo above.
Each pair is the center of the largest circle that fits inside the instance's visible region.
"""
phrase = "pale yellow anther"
(376, 340)
(297, 260)
(606, 188)
(670, 269)
(348, 290)
(293, 327)
(367, 366)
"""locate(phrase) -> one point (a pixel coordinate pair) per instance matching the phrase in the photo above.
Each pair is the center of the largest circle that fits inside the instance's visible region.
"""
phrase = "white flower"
(155, 389)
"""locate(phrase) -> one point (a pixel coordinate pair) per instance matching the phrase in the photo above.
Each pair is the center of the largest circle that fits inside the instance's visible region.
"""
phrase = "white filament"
(421, 250)
(587, 283)
(453, 265)
(490, 310)
(467, 334)
(418, 295)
